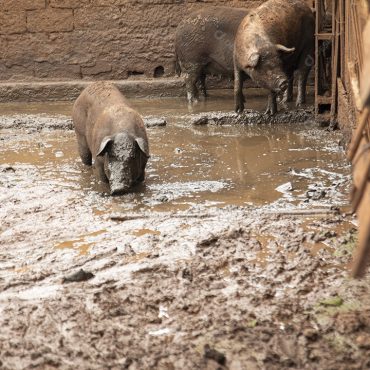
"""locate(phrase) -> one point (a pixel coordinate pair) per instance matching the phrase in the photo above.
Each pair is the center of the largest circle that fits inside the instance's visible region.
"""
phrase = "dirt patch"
(249, 289)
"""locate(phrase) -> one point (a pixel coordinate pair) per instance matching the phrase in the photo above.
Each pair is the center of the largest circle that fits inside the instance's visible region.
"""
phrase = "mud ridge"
(58, 122)
(252, 117)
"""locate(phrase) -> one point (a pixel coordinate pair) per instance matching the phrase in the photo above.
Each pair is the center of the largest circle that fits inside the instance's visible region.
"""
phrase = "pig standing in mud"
(204, 44)
(271, 43)
(112, 134)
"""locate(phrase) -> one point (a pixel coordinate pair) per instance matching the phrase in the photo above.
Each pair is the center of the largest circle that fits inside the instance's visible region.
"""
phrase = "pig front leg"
(304, 68)
(271, 104)
(302, 83)
(84, 150)
(99, 167)
(191, 78)
(202, 84)
(238, 89)
(288, 95)
(141, 165)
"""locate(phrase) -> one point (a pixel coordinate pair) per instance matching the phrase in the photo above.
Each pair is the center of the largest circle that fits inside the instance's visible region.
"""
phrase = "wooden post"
(359, 153)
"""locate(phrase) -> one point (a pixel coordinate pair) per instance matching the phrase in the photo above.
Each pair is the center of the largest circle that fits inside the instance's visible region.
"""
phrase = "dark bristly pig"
(272, 42)
(112, 135)
(204, 45)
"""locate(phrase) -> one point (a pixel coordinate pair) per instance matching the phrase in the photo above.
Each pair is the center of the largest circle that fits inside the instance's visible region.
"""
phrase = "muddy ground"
(233, 255)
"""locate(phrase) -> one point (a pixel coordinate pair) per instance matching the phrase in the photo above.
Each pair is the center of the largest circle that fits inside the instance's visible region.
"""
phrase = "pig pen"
(234, 254)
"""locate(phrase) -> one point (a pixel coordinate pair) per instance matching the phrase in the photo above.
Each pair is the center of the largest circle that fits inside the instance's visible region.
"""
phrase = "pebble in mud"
(59, 154)
(163, 199)
(213, 354)
(8, 169)
(78, 276)
(154, 121)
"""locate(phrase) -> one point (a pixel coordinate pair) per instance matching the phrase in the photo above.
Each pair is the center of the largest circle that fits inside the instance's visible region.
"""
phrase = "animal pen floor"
(219, 261)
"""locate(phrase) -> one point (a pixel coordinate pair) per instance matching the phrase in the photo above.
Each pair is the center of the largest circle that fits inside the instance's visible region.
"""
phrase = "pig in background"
(272, 42)
(112, 135)
(204, 45)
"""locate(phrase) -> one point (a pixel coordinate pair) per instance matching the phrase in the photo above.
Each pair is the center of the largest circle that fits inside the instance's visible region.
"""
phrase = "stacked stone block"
(92, 39)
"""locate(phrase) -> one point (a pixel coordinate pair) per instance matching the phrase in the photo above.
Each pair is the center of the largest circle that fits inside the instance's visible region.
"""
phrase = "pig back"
(286, 22)
(207, 35)
(92, 102)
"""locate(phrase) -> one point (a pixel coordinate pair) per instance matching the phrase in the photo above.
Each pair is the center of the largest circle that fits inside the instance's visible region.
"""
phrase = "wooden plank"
(361, 177)
(358, 134)
(335, 61)
(355, 84)
(365, 76)
(362, 252)
(324, 99)
(348, 38)
(320, 36)
(324, 36)
(357, 71)
(342, 31)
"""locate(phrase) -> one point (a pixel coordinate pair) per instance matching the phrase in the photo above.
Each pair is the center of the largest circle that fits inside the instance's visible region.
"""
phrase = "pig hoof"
(118, 192)
(270, 113)
(193, 102)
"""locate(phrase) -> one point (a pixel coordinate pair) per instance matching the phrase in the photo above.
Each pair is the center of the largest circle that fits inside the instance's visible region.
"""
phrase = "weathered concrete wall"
(91, 39)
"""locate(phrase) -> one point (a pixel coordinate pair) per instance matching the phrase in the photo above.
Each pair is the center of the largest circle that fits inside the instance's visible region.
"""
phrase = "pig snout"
(120, 187)
(120, 178)
(119, 191)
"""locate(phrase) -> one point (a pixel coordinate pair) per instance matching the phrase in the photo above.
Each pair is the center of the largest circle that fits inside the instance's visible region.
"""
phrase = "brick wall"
(91, 39)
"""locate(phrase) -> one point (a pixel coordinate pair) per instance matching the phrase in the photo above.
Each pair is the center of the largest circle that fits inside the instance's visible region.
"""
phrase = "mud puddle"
(278, 166)
(215, 262)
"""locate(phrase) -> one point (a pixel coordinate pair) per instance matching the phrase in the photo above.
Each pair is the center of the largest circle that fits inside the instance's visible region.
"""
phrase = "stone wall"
(91, 39)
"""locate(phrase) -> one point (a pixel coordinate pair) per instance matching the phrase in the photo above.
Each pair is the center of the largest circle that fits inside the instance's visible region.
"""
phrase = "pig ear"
(284, 48)
(143, 145)
(253, 60)
(104, 146)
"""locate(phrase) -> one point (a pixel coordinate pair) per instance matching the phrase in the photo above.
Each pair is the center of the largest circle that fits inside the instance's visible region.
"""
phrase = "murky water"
(274, 166)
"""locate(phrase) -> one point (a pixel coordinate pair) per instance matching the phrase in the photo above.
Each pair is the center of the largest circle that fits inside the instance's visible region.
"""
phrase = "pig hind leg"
(304, 69)
(288, 95)
(239, 78)
(99, 167)
(191, 84)
(202, 84)
(302, 83)
(84, 150)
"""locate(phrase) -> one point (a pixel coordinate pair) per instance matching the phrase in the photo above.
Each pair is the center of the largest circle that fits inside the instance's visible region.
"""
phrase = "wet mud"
(234, 254)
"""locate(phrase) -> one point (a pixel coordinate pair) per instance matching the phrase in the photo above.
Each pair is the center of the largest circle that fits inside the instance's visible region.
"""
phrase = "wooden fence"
(343, 96)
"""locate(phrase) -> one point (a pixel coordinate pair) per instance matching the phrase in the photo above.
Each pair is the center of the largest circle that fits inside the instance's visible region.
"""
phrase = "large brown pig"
(112, 134)
(272, 42)
(204, 44)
